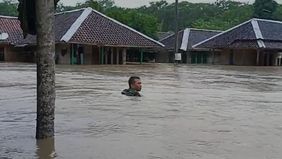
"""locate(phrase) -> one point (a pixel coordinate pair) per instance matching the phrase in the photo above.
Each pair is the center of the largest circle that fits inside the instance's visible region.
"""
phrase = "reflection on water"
(45, 149)
(199, 112)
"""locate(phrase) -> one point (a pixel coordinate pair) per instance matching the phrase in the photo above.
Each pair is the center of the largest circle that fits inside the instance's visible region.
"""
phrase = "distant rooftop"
(188, 37)
(84, 26)
(252, 34)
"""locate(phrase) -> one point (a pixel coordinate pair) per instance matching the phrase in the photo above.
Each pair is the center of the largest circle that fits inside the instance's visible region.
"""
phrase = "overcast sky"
(138, 3)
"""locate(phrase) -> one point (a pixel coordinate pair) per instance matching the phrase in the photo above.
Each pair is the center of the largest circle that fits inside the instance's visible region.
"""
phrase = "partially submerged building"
(186, 39)
(83, 36)
(10, 46)
(254, 42)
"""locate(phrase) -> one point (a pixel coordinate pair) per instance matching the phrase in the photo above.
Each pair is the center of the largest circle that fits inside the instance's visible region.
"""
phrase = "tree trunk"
(45, 68)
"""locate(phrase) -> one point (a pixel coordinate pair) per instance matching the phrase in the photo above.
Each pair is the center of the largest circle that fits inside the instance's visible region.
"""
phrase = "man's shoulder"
(130, 92)
(125, 91)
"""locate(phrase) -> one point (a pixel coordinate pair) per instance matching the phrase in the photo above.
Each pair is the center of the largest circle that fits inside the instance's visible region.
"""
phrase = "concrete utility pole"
(45, 68)
(177, 57)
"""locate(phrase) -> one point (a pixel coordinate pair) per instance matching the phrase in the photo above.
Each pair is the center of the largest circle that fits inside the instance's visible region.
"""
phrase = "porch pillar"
(267, 59)
(187, 57)
(124, 56)
(117, 51)
(202, 58)
(276, 61)
(258, 56)
(112, 55)
(213, 56)
(141, 56)
(72, 54)
(231, 59)
(106, 55)
(102, 55)
(5, 54)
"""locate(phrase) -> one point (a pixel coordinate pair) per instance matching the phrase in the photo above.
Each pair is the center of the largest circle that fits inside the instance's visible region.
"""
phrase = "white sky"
(138, 3)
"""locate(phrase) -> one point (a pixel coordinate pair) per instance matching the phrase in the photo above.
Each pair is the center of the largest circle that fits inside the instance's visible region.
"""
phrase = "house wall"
(245, 57)
(62, 53)
(210, 58)
(66, 59)
(270, 57)
(2, 53)
(242, 57)
(199, 57)
(9, 55)
(162, 57)
(87, 54)
(223, 58)
(18, 54)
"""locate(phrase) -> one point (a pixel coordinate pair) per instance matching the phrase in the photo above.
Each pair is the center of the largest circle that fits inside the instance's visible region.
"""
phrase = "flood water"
(197, 112)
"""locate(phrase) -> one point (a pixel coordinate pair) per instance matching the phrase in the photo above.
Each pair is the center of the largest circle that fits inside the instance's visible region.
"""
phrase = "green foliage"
(144, 23)
(265, 8)
(159, 16)
(277, 15)
(9, 8)
(228, 15)
(221, 15)
(99, 5)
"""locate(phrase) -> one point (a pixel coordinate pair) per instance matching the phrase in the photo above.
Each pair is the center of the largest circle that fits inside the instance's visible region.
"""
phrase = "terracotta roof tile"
(63, 22)
(100, 30)
(95, 29)
(11, 25)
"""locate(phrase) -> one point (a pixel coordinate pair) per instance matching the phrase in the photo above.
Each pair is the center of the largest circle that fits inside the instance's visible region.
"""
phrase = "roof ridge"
(206, 29)
(258, 33)
(11, 17)
(75, 26)
(167, 37)
(171, 35)
(70, 11)
(185, 39)
(115, 21)
(268, 20)
(228, 30)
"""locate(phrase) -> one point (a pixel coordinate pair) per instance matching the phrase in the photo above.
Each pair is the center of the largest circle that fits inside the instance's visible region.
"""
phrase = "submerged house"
(10, 45)
(254, 42)
(186, 39)
(83, 36)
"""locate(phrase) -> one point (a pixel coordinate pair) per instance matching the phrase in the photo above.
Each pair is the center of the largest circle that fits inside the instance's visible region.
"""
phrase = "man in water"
(135, 86)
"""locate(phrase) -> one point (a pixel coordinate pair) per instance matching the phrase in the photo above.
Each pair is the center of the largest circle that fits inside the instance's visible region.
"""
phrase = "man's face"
(137, 85)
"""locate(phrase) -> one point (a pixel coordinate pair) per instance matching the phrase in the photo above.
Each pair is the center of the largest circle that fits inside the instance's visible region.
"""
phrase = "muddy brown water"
(199, 112)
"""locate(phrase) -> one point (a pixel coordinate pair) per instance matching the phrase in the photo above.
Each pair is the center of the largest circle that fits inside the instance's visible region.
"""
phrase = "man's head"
(134, 82)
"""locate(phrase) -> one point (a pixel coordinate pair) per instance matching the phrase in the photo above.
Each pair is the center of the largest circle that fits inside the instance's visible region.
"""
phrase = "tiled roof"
(196, 36)
(10, 25)
(63, 21)
(273, 44)
(163, 35)
(169, 41)
(99, 29)
(271, 30)
(188, 37)
(84, 26)
(244, 44)
(252, 34)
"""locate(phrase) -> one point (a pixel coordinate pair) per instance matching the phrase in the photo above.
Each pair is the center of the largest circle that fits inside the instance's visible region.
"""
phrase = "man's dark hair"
(132, 80)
